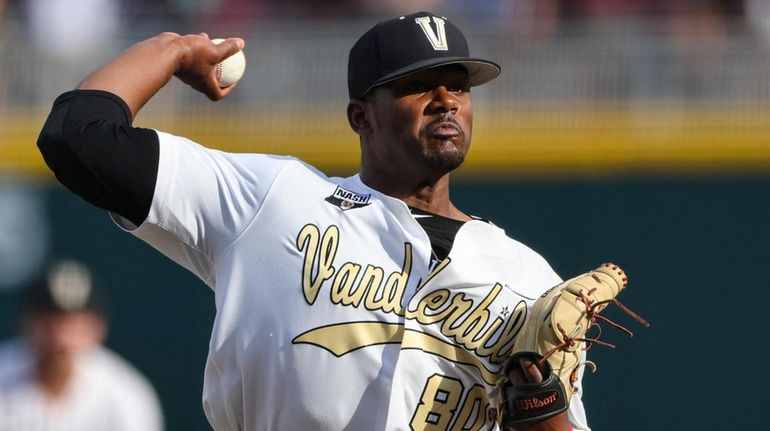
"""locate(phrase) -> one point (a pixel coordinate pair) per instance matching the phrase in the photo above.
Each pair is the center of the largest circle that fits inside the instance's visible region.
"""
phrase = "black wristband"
(528, 402)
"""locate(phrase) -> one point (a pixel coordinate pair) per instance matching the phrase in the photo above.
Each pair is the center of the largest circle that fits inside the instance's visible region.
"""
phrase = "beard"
(445, 158)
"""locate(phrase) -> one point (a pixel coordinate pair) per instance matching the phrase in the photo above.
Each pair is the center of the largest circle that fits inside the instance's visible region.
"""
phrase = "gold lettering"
(395, 285)
(476, 321)
(308, 240)
(342, 289)
(432, 301)
(501, 349)
(467, 329)
(481, 348)
(437, 405)
(459, 306)
(372, 281)
(471, 327)
(475, 406)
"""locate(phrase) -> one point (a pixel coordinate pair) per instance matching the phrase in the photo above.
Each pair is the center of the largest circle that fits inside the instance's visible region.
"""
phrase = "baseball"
(231, 69)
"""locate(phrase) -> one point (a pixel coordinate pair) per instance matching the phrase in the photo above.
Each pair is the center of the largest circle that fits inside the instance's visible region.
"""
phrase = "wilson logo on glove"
(537, 403)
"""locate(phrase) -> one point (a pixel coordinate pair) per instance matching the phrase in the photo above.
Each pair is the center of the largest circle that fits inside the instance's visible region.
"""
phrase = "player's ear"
(358, 116)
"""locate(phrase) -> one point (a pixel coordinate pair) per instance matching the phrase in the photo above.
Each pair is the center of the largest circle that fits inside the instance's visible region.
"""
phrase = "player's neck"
(443, 208)
(428, 195)
(53, 374)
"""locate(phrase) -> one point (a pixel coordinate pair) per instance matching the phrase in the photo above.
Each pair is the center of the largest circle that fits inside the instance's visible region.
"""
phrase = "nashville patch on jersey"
(329, 315)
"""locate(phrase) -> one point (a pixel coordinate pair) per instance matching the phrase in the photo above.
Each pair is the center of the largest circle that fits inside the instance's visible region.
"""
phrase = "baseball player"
(362, 303)
(57, 376)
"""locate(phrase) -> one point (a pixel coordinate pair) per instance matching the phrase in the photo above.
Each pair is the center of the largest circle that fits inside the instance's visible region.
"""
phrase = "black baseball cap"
(66, 287)
(399, 46)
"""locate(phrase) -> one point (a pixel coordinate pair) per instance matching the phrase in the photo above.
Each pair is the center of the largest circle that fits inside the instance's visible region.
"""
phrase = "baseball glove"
(555, 336)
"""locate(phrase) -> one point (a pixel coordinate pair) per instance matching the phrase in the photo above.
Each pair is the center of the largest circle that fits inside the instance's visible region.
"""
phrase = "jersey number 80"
(439, 402)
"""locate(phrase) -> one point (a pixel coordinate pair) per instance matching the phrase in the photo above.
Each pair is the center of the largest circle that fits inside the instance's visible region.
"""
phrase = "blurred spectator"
(72, 28)
(7, 28)
(231, 17)
(66, 36)
(531, 20)
(58, 377)
(593, 9)
(758, 16)
(394, 7)
(7, 5)
(699, 31)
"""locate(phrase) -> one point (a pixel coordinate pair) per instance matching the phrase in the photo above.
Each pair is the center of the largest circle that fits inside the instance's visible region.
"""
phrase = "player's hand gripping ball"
(231, 69)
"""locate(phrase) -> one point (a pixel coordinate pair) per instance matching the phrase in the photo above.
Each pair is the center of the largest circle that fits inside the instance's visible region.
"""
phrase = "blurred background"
(632, 131)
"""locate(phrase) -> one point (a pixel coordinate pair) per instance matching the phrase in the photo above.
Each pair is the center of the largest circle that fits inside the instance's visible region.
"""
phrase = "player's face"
(423, 121)
(63, 334)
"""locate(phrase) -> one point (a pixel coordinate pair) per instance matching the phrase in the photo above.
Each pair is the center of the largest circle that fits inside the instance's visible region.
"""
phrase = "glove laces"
(592, 309)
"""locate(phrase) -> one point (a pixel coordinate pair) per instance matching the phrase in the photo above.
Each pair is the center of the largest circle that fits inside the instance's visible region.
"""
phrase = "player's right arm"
(88, 140)
(143, 69)
(187, 201)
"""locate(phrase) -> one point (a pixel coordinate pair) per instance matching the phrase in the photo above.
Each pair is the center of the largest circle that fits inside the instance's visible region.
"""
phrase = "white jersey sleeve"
(203, 200)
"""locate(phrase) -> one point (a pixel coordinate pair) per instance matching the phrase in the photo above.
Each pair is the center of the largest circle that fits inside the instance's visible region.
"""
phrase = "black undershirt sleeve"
(90, 145)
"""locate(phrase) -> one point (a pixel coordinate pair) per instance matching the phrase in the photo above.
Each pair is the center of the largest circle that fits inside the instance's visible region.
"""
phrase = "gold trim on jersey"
(343, 338)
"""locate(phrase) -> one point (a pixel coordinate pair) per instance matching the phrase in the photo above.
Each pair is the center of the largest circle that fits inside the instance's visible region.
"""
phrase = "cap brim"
(480, 71)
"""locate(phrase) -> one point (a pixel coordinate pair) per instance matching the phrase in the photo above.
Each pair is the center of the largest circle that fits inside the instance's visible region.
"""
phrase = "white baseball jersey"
(106, 393)
(328, 315)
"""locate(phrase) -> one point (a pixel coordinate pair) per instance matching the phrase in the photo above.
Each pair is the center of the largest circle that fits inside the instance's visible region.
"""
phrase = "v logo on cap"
(438, 41)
